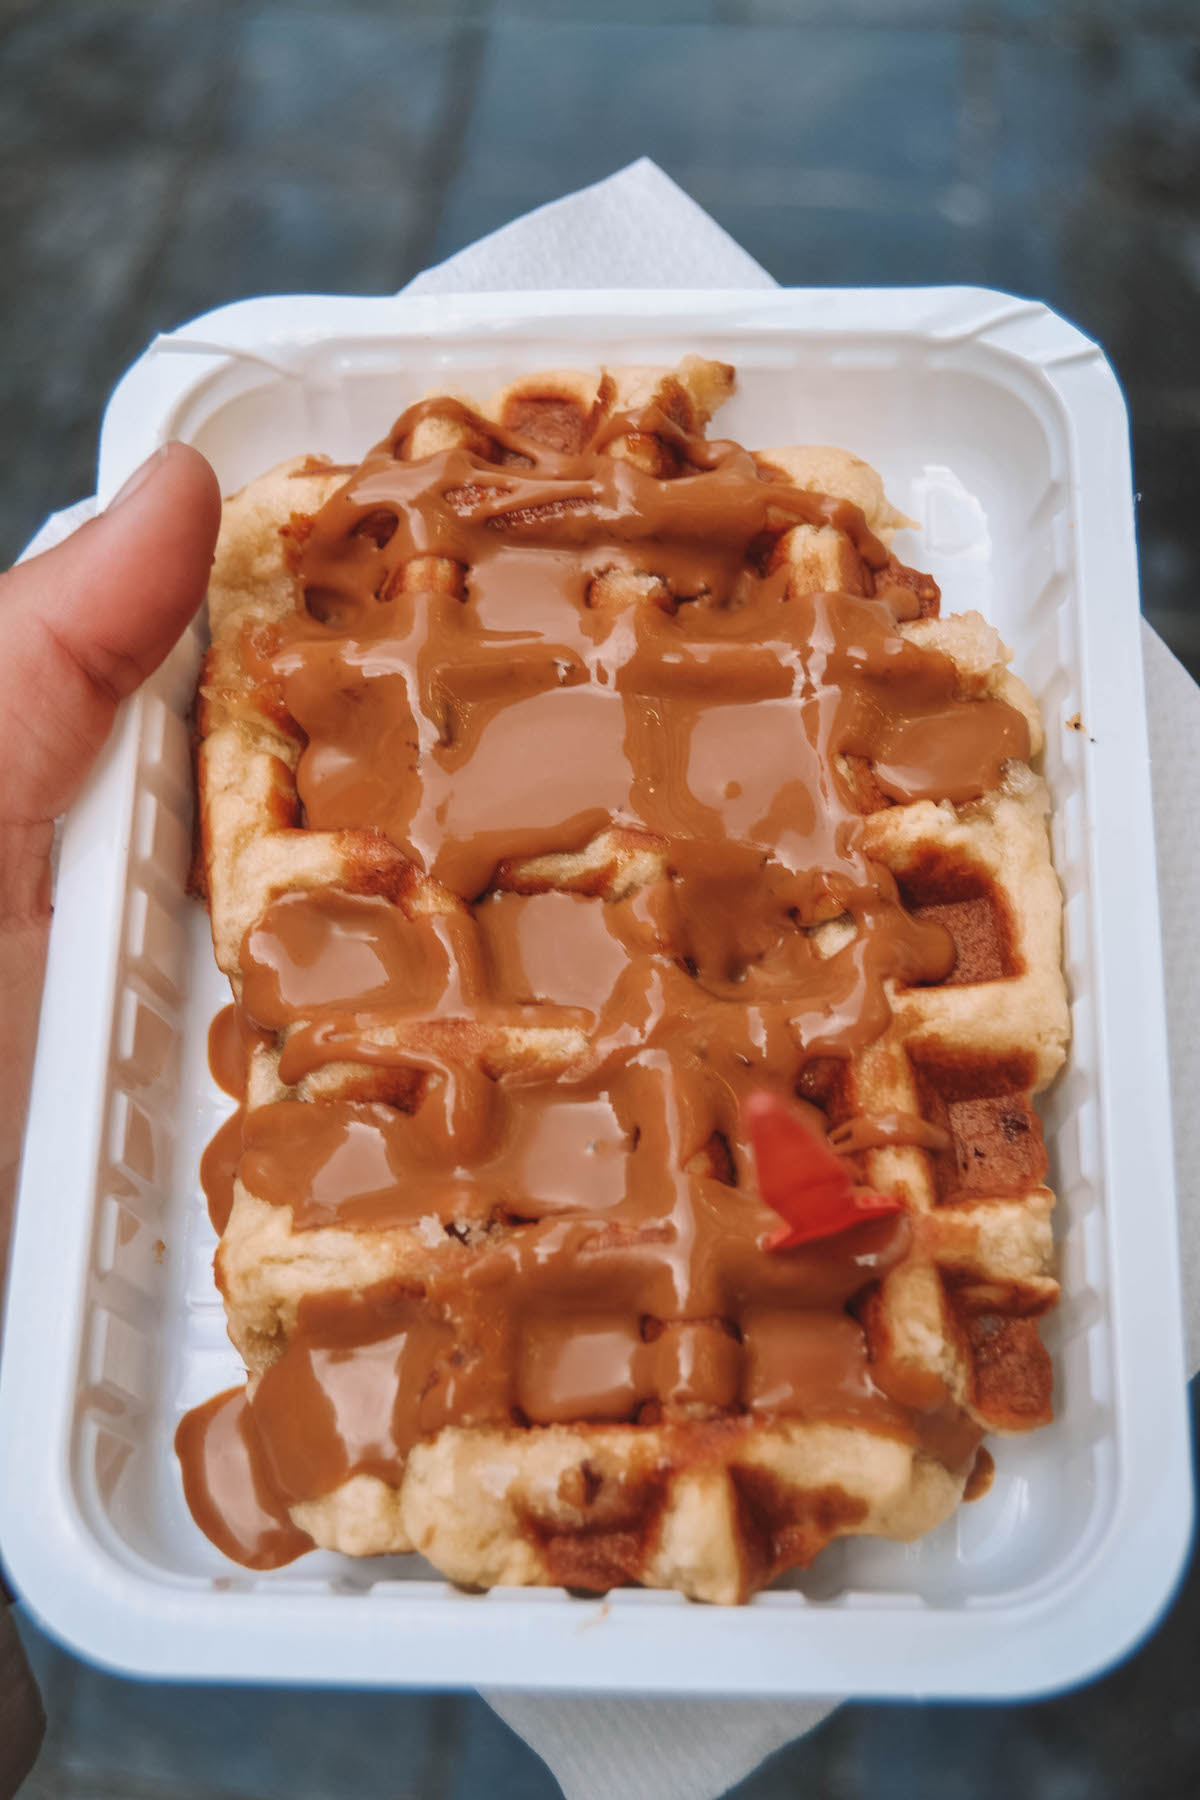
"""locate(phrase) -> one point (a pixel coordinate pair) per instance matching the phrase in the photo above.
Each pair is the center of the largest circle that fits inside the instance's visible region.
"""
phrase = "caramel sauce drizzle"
(471, 679)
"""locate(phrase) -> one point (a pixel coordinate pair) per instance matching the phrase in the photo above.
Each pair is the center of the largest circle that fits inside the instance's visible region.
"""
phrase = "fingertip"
(82, 624)
(187, 466)
(170, 524)
(130, 581)
(177, 476)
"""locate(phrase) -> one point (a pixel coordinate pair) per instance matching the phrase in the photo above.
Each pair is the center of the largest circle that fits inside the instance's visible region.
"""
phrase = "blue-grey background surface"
(159, 159)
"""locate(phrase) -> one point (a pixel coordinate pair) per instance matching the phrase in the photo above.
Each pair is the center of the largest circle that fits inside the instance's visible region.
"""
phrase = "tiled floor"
(160, 159)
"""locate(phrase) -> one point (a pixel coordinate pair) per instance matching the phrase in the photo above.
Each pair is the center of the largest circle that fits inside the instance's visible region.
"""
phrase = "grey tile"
(240, 231)
(1084, 18)
(439, 11)
(759, 112)
(78, 237)
(1094, 117)
(611, 12)
(1166, 472)
(101, 109)
(1002, 15)
(77, 231)
(78, 77)
(391, 11)
(1119, 225)
(333, 94)
(58, 440)
(1067, 21)
(113, 1739)
(810, 246)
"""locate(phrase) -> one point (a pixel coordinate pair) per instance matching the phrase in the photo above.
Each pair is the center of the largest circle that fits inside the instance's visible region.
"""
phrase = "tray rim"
(144, 1626)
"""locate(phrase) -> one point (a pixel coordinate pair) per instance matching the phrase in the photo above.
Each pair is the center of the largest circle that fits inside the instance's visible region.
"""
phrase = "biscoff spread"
(561, 630)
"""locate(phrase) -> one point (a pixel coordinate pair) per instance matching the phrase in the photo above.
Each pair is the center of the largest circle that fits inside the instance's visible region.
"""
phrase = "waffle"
(567, 780)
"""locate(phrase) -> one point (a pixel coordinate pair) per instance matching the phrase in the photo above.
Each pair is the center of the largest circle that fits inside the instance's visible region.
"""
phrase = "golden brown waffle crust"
(714, 1511)
(718, 1508)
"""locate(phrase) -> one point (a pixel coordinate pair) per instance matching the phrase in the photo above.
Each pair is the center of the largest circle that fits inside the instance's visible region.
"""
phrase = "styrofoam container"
(1003, 431)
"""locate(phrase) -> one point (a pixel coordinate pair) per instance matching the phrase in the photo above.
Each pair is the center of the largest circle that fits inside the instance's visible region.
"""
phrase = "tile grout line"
(192, 155)
(444, 151)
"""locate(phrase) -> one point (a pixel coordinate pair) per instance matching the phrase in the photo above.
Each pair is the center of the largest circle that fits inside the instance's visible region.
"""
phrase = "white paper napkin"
(637, 229)
(1173, 704)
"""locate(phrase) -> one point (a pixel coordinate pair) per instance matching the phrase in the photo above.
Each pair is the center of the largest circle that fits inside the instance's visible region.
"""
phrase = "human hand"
(80, 627)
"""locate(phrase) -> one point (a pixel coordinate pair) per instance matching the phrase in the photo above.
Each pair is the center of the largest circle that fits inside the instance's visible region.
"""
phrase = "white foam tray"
(1003, 430)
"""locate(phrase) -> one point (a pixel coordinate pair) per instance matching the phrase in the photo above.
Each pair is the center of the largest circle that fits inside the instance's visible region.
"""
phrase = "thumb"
(82, 625)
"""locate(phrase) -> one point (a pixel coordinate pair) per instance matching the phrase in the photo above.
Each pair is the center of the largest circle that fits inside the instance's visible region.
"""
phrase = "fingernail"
(139, 476)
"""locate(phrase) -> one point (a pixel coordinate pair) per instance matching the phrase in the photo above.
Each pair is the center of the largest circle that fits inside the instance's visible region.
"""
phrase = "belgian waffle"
(566, 780)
